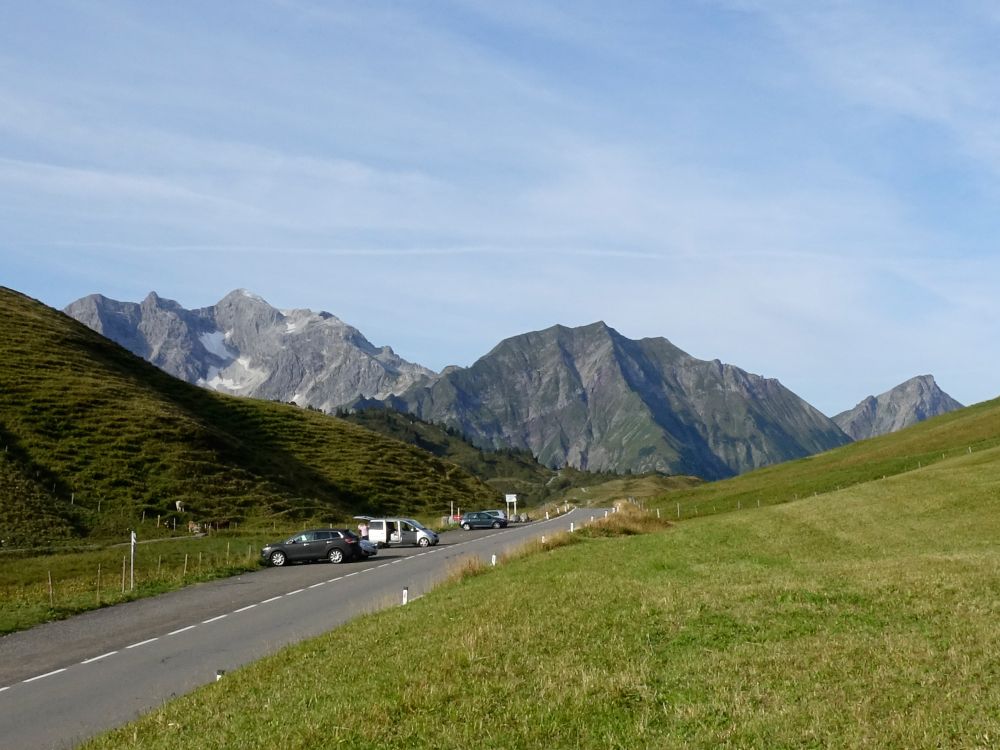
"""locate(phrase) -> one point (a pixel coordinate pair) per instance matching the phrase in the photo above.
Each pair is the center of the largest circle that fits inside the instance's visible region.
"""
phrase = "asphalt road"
(63, 682)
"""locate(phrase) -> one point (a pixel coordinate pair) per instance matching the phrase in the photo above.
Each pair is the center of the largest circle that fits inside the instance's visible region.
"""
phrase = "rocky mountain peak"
(912, 401)
(243, 345)
(592, 398)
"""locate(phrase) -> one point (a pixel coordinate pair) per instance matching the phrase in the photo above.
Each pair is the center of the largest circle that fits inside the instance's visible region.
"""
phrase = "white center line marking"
(213, 619)
(244, 609)
(293, 593)
(333, 580)
(351, 574)
(181, 630)
(98, 658)
(4, 688)
(316, 585)
(47, 674)
(383, 565)
(272, 599)
(143, 643)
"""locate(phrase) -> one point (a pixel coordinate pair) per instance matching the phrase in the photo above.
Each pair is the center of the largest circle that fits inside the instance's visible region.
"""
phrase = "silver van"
(387, 531)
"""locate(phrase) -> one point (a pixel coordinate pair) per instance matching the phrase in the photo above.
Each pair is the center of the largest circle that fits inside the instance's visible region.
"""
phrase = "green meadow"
(864, 617)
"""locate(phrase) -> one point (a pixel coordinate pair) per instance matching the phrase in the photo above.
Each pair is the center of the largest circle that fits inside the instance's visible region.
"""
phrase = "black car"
(335, 545)
(481, 520)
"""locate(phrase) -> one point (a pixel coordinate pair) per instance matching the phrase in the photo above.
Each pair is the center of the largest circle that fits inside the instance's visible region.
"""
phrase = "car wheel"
(278, 558)
(466, 526)
(496, 524)
(336, 555)
(423, 541)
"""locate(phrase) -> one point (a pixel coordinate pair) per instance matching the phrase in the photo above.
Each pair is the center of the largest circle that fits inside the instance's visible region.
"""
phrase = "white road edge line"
(98, 658)
(4, 688)
(47, 674)
(181, 630)
(143, 643)
(293, 593)
(213, 619)
(272, 599)
(315, 585)
(244, 609)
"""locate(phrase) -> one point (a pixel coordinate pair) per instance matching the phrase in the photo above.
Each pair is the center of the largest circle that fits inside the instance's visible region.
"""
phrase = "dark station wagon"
(335, 545)
(481, 520)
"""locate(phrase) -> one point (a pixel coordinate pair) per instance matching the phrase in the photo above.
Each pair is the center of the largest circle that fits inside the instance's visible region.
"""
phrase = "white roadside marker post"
(571, 529)
(406, 594)
(494, 560)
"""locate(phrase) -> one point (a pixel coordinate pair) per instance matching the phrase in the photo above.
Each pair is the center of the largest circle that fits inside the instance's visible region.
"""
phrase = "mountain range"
(583, 397)
(245, 347)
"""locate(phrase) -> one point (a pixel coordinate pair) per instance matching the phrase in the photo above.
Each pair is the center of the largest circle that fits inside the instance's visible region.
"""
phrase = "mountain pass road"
(63, 682)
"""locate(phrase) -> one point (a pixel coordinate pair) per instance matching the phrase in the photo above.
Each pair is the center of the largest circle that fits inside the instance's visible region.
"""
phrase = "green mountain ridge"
(93, 436)
(509, 470)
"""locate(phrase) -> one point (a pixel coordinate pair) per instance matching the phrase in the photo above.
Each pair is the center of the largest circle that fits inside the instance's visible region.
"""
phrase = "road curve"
(63, 682)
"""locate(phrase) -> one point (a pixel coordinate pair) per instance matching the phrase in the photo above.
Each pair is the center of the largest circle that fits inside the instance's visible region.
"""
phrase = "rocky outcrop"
(244, 346)
(915, 400)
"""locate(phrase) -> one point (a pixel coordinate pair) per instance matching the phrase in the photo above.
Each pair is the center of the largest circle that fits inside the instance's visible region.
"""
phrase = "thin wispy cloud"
(805, 190)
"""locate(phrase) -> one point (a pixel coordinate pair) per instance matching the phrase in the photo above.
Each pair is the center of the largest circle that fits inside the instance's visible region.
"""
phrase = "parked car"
(335, 545)
(496, 514)
(481, 520)
(387, 531)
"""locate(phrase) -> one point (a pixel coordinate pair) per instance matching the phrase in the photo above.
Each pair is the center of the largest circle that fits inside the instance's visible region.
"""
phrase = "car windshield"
(418, 525)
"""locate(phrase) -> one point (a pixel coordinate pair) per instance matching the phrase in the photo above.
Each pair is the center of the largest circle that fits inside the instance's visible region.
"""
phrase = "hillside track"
(65, 681)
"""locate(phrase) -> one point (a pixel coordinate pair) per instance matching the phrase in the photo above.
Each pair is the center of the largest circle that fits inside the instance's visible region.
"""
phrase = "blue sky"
(806, 190)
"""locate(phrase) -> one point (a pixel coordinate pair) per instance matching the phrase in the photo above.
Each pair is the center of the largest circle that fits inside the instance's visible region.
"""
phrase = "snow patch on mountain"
(251, 295)
(215, 343)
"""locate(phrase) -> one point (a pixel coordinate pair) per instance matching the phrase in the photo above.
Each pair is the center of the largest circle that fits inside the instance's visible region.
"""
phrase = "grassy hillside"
(91, 437)
(641, 489)
(963, 432)
(863, 618)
